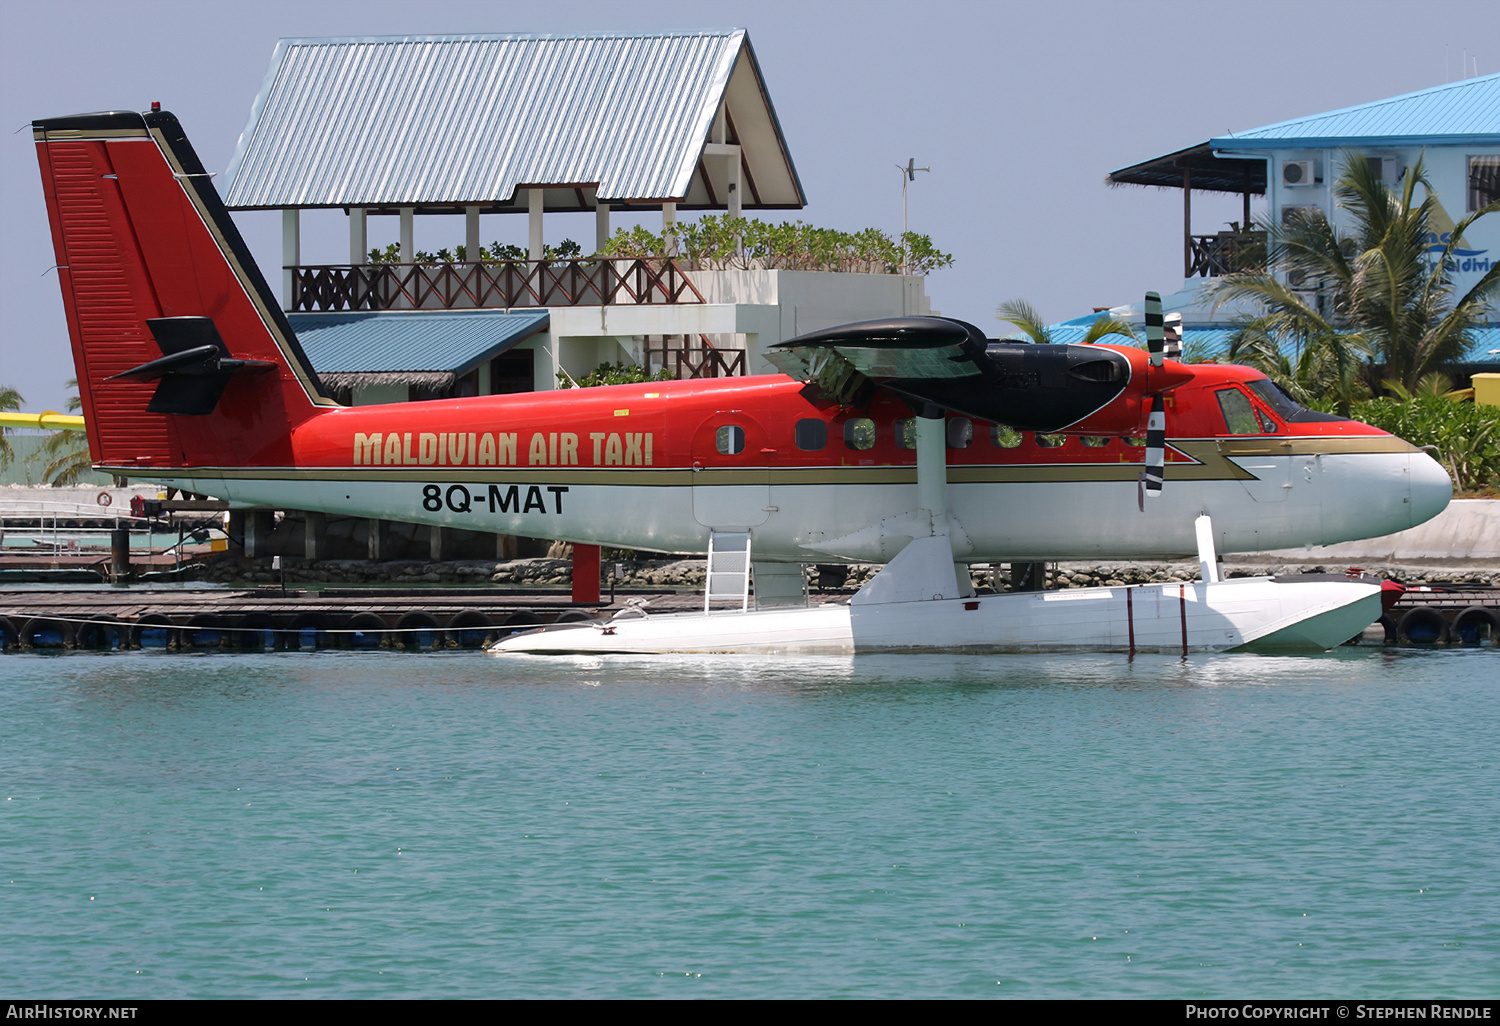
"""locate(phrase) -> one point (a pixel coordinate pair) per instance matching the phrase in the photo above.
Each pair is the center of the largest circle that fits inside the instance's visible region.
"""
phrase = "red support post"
(585, 573)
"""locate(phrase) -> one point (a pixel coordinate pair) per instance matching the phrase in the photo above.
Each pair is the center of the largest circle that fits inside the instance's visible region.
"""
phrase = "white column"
(291, 251)
(669, 225)
(471, 233)
(601, 226)
(359, 236)
(407, 217)
(534, 204)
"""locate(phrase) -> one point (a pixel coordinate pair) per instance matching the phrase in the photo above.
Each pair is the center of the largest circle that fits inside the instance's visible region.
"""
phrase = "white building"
(529, 125)
(1453, 129)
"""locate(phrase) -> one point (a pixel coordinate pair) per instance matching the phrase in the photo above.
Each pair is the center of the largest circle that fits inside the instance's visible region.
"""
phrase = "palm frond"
(1024, 316)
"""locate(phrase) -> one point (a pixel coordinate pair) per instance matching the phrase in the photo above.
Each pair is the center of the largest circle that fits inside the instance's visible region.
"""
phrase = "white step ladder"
(728, 576)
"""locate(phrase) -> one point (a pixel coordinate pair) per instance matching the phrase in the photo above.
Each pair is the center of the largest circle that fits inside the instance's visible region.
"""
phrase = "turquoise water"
(384, 825)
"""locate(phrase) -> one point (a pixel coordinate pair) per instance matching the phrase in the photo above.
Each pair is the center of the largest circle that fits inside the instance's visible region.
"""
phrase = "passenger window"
(1138, 441)
(859, 433)
(906, 433)
(960, 433)
(730, 440)
(1239, 416)
(811, 434)
(1095, 441)
(1005, 436)
(1051, 441)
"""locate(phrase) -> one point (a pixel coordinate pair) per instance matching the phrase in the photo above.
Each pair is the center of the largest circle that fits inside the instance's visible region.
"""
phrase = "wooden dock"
(102, 618)
(259, 619)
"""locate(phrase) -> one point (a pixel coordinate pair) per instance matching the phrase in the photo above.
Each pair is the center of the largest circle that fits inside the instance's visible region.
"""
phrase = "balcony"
(1210, 256)
(490, 285)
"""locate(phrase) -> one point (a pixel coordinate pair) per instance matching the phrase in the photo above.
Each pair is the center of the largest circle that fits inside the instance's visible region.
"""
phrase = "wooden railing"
(1210, 256)
(703, 361)
(490, 285)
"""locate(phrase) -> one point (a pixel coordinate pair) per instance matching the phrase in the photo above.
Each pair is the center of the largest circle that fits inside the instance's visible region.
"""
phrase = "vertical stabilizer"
(184, 358)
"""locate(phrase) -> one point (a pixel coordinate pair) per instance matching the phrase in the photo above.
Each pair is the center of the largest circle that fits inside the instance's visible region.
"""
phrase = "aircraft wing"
(949, 363)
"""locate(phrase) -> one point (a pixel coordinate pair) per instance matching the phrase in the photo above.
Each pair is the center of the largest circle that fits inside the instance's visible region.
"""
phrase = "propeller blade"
(1156, 452)
(1155, 339)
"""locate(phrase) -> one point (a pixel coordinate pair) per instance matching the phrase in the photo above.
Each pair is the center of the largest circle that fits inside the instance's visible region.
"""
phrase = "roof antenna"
(908, 174)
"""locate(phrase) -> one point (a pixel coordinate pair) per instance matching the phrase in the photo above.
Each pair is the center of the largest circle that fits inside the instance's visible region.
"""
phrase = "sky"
(1019, 108)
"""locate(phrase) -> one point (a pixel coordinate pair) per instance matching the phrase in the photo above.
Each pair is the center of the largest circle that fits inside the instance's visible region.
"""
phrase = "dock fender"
(470, 628)
(1423, 625)
(1471, 625)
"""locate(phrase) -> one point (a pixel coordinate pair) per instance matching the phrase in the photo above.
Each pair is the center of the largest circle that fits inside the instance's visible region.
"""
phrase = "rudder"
(153, 272)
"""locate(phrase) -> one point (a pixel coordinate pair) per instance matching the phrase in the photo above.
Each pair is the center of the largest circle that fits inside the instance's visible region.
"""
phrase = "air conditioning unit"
(1385, 169)
(1297, 173)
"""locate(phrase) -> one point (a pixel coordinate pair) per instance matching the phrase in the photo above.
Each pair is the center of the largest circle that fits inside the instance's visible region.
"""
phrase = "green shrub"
(614, 374)
(719, 242)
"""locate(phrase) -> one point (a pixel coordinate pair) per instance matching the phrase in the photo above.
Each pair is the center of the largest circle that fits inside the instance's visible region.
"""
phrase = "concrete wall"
(754, 309)
(1467, 531)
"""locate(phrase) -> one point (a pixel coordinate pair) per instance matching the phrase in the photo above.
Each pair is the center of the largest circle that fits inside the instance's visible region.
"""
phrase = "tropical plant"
(67, 452)
(720, 242)
(10, 399)
(613, 374)
(1379, 291)
(1024, 316)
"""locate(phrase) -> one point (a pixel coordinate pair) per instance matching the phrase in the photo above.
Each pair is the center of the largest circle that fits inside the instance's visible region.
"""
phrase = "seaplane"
(915, 442)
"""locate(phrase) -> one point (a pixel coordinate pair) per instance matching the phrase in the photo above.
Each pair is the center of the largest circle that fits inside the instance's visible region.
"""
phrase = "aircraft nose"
(1431, 488)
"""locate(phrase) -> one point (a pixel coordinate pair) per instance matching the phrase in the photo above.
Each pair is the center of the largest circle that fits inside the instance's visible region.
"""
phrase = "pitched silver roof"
(439, 122)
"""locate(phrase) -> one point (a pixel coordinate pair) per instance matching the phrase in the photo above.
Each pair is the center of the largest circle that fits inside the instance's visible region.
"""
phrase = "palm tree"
(1341, 298)
(10, 399)
(67, 451)
(1024, 316)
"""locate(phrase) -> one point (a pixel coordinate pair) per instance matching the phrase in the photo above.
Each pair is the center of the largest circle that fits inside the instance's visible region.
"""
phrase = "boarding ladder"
(728, 576)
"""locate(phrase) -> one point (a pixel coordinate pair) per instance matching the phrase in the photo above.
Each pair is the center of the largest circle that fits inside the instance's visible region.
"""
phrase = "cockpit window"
(1285, 406)
(1275, 398)
(1241, 416)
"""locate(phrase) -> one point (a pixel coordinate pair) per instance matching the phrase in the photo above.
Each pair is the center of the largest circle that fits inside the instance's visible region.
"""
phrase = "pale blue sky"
(1020, 109)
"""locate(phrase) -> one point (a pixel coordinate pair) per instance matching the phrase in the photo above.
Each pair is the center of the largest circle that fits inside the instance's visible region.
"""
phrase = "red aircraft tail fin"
(184, 357)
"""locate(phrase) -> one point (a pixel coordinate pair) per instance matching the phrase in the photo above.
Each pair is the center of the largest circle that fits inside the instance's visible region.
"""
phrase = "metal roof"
(1210, 173)
(1465, 111)
(416, 342)
(1459, 112)
(442, 121)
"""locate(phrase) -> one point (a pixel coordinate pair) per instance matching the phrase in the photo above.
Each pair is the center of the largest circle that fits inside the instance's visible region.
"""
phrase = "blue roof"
(446, 341)
(1459, 112)
(1484, 345)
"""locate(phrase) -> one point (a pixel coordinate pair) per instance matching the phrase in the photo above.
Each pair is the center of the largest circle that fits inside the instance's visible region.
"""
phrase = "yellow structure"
(1487, 389)
(47, 420)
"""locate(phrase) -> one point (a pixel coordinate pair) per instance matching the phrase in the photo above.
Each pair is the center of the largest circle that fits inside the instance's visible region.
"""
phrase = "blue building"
(1454, 129)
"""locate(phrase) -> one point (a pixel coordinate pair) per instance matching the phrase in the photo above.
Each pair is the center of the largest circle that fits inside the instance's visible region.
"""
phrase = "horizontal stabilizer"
(195, 369)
